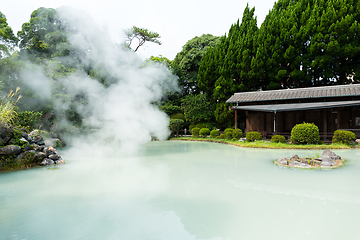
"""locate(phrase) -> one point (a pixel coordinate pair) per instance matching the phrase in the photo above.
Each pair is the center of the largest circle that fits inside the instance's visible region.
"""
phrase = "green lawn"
(267, 144)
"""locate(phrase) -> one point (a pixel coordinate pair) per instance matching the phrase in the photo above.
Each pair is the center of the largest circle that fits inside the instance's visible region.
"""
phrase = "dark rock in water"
(10, 150)
(294, 157)
(47, 161)
(54, 157)
(329, 154)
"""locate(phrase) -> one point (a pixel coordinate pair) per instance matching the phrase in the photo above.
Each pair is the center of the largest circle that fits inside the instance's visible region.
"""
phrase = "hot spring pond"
(182, 190)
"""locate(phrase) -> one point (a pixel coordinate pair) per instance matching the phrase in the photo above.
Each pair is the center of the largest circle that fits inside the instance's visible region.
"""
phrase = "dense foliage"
(343, 136)
(305, 133)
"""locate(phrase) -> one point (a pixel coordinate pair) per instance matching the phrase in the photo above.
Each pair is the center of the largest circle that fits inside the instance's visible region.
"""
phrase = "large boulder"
(10, 150)
(328, 155)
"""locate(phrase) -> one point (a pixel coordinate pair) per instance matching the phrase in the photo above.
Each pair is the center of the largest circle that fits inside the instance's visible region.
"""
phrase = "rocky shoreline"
(328, 159)
(21, 150)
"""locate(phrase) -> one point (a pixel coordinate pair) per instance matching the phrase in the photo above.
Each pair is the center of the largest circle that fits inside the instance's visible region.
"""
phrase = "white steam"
(120, 112)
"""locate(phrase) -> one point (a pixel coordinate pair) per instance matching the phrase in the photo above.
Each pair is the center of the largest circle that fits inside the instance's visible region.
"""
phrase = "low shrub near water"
(195, 132)
(252, 136)
(278, 139)
(214, 133)
(305, 133)
(204, 132)
(343, 136)
(237, 133)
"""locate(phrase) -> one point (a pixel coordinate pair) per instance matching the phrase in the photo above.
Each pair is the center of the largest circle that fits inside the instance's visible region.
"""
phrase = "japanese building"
(278, 111)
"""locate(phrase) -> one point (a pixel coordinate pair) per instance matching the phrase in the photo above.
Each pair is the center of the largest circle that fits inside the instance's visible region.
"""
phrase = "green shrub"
(252, 136)
(28, 119)
(204, 132)
(214, 133)
(222, 136)
(228, 133)
(278, 139)
(305, 133)
(235, 139)
(237, 133)
(195, 132)
(343, 136)
(175, 125)
(217, 137)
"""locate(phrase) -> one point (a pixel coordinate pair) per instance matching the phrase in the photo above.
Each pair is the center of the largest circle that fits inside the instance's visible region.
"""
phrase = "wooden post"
(338, 118)
(235, 118)
(325, 124)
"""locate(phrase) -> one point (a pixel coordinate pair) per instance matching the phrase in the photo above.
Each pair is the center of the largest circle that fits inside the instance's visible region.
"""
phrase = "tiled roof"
(297, 93)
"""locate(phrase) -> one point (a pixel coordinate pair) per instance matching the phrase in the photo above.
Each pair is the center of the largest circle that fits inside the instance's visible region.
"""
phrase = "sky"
(176, 22)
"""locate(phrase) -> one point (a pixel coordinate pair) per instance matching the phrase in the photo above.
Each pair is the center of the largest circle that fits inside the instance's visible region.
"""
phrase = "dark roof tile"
(297, 93)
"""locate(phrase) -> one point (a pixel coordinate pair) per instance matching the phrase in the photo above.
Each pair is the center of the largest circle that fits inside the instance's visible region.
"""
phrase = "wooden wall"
(263, 122)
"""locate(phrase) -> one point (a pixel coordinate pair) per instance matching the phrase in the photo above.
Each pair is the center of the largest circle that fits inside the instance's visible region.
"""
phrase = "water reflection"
(181, 190)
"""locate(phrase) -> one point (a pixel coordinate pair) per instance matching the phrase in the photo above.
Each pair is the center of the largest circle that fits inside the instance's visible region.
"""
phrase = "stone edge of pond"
(299, 147)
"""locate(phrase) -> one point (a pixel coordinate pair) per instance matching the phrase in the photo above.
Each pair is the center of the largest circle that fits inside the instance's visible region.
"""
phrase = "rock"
(327, 164)
(54, 157)
(357, 141)
(47, 161)
(49, 150)
(26, 136)
(40, 155)
(294, 163)
(282, 161)
(10, 150)
(294, 157)
(329, 154)
(59, 161)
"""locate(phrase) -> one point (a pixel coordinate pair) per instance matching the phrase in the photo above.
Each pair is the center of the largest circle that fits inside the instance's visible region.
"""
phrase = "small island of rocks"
(328, 159)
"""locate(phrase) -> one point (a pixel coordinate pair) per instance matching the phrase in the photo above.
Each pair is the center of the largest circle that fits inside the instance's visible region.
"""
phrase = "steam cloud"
(121, 114)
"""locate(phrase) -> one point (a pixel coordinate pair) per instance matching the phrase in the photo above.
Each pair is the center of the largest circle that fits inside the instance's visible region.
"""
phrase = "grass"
(266, 144)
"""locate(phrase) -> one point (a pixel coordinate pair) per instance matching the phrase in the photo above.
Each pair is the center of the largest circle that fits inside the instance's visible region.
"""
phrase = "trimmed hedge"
(278, 139)
(204, 132)
(305, 133)
(195, 132)
(343, 136)
(253, 136)
(214, 133)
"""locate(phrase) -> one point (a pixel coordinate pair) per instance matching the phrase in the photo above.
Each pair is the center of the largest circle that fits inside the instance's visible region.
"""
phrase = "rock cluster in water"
(328, 159)
(22, 148)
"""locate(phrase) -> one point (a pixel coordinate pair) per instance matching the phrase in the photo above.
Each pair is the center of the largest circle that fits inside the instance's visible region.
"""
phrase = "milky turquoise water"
(182, 190)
